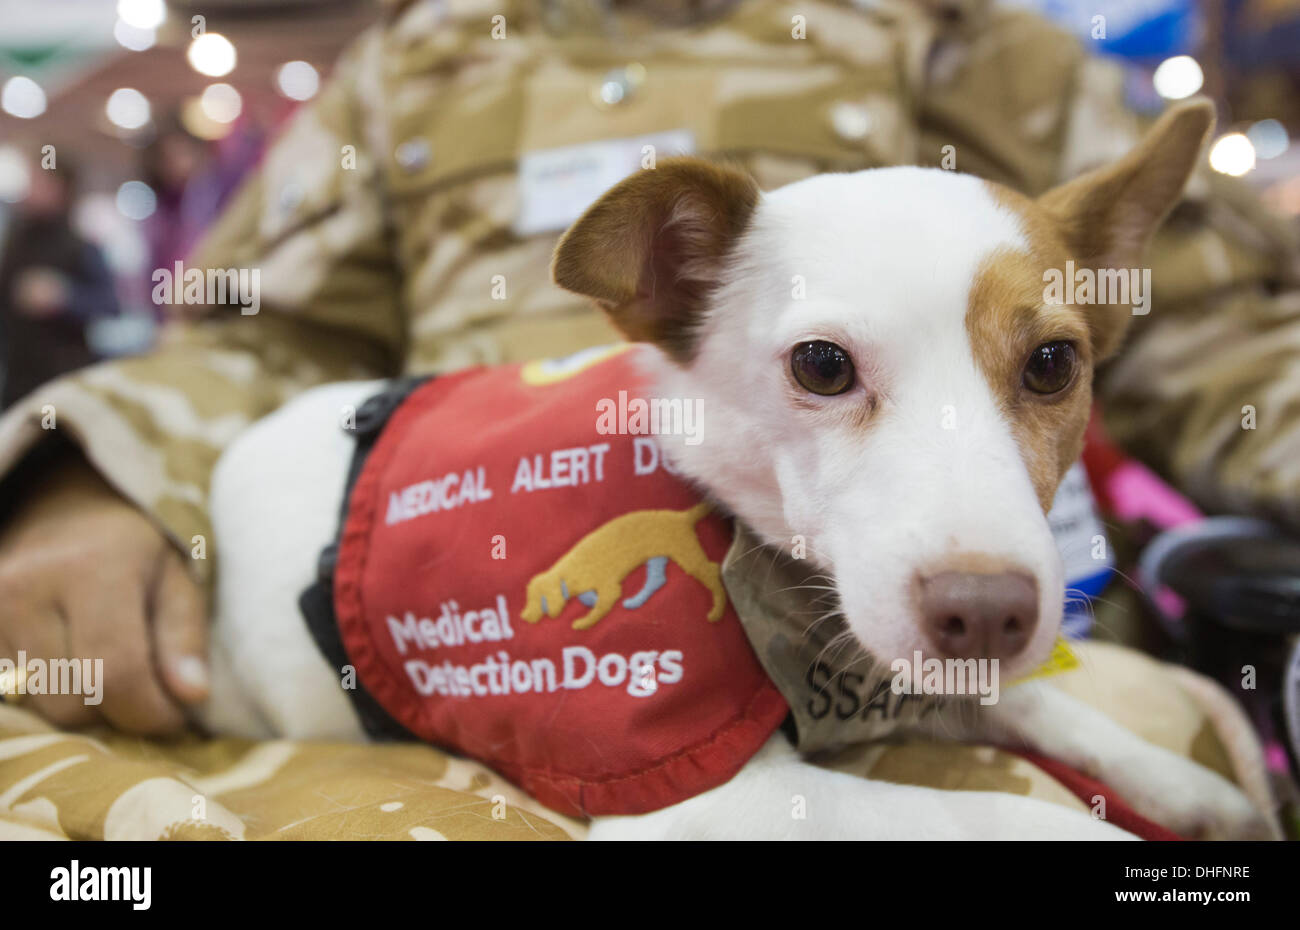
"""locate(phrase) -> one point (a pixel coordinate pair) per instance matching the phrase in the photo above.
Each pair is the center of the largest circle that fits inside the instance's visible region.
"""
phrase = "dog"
(909, 415)
(657, 536)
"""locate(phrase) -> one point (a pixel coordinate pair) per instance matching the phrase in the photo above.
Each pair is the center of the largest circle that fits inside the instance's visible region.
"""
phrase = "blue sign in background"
(1135, 29)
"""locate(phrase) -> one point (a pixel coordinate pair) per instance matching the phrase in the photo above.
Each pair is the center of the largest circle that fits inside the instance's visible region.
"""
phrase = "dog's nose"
(968, 615)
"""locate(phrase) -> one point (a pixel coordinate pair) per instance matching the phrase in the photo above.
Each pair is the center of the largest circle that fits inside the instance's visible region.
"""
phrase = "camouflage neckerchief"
(838, 695)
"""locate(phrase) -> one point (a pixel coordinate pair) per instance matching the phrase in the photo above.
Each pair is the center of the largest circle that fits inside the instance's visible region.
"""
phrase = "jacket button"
(291, 197)
(851, 121)
(618, 85)
(413, 154)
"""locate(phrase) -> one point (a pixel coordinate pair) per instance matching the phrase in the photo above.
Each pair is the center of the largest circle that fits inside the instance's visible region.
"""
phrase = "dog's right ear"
(650, 249)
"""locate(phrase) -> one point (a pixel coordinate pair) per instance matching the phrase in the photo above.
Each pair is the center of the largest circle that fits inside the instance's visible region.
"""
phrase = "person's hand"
(85, 575)
(41, 292)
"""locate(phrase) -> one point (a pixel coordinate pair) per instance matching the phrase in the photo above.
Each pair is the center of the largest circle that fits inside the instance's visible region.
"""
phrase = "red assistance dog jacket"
(522, 581)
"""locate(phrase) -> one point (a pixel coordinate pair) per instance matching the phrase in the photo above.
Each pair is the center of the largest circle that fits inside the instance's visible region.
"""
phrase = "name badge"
(556, 185)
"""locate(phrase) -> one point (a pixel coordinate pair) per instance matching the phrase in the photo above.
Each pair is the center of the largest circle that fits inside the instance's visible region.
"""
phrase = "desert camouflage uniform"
(382, 218)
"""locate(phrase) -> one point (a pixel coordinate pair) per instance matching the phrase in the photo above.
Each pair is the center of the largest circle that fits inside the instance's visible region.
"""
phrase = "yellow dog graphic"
(597, 564)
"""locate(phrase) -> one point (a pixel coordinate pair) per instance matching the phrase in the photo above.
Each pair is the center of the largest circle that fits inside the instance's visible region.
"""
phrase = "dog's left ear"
(650, 249)
(1109, 214)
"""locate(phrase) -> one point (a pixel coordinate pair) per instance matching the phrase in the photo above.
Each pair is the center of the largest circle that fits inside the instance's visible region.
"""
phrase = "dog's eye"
(1050, 368)
(822, 367)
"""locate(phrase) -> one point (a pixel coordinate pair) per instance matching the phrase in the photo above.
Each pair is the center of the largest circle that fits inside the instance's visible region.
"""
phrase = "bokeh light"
(134, 38)
(22, 97)
(15, 174)
(221, 103)
(212, 54)
(1178, 77)
(1232, 154)
(136, 200)
(127, 108)
(142, 14)
(297, 80)
(1269, 138)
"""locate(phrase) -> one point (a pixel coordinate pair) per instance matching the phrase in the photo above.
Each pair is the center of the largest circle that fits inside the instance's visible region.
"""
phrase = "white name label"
(556, 185)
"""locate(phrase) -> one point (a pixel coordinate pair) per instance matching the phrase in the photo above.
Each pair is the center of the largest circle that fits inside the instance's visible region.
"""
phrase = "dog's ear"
(649, 251)
(1108, 215)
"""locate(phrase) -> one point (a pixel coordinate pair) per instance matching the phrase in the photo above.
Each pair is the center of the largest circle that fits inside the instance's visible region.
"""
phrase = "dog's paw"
(1198, 803)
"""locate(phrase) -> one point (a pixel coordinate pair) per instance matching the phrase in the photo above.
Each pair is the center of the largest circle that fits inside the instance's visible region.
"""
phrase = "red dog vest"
(522, 581)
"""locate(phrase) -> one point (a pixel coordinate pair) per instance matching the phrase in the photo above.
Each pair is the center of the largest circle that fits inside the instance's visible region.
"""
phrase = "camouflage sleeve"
(318, 301)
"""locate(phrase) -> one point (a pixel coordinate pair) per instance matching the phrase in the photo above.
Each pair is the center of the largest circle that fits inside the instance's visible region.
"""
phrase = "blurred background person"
(192, 179)
(52, 284)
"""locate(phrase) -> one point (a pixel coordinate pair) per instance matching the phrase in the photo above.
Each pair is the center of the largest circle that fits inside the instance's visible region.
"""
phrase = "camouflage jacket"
(385, 222)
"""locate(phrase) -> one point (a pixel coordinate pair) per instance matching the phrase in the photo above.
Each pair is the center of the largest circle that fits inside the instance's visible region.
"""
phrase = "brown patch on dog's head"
(1102, 220)
(1007, 320)
(648, 252)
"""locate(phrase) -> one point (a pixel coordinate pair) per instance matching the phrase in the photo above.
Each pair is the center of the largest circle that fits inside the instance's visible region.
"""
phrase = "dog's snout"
(969, 615)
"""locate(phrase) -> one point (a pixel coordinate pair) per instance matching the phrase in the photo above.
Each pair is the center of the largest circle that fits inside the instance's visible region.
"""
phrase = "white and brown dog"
(924, 303)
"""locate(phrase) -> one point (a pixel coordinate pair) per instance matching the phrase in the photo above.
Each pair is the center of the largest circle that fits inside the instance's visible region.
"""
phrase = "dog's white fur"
(876, 506)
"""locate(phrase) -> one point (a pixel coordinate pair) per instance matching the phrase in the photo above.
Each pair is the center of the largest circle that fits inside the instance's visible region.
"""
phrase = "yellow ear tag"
(1062, 659)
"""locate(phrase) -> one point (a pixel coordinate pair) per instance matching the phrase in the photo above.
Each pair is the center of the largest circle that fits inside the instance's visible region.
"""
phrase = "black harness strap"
(317, 602)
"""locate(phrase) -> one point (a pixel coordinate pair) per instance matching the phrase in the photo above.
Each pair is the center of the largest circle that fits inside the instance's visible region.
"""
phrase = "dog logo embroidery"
(596, 566)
